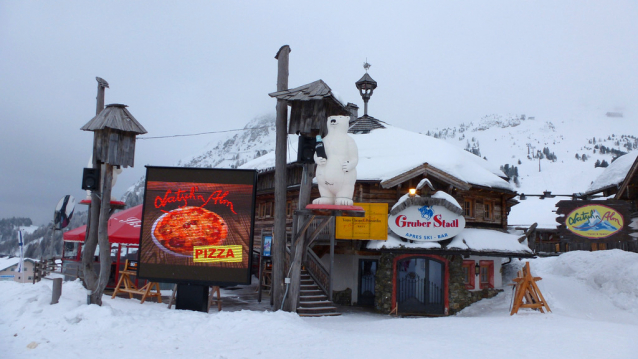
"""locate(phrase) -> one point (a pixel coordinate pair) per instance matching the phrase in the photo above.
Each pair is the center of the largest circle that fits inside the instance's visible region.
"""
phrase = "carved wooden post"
(279, 230)
(114, 131)
(90, 242)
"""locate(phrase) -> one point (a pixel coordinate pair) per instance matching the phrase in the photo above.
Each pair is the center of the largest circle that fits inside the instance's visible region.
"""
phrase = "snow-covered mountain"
(568, 150)
(561, 155)
(39, 242)
(232, 151)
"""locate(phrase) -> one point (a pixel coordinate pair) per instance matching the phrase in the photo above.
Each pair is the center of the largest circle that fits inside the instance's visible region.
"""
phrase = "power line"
(203, 133)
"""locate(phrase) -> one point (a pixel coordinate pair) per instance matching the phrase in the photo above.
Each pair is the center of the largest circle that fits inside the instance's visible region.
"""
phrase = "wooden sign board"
(594, 221)
(374, 226)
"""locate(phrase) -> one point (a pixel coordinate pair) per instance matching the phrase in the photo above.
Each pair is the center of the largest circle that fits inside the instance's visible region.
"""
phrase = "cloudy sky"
(187, 67)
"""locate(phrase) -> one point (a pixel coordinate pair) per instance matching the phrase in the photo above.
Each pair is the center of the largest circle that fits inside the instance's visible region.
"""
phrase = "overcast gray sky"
(186, 67)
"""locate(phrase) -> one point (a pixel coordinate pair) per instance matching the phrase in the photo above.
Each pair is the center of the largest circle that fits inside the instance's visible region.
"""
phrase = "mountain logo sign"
(594, 221)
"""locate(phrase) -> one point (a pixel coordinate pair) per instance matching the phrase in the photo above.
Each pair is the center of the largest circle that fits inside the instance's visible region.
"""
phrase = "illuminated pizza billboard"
(197, 225)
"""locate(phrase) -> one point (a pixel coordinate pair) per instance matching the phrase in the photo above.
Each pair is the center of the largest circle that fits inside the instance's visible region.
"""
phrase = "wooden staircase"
(313, 302)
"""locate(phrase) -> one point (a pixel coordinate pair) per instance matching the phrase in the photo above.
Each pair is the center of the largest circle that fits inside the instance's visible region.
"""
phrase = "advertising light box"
(197, 225)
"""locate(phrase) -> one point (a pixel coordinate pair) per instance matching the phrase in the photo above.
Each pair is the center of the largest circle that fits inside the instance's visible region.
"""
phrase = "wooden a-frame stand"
(131, 288)
(527, 294)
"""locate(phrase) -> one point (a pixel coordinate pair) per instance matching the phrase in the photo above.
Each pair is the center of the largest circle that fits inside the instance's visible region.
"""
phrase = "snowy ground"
(593, 296)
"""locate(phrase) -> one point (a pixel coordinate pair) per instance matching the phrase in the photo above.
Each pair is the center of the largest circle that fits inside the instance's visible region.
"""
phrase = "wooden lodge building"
(396, 275)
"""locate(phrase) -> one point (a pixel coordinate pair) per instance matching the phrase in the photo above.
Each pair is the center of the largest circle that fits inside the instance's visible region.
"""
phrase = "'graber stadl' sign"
(426, 223)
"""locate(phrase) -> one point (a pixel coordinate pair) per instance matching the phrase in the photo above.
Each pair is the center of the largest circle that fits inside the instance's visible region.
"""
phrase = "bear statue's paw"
(341, 201)
(324, 200)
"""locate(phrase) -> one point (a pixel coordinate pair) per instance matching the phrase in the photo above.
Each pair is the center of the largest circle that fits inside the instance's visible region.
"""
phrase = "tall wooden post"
(103, 235)
(91, 237)
(114, 130)
(279, 230)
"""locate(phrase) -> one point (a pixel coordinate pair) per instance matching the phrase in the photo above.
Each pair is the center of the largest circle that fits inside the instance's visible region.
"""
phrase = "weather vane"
(366, 65)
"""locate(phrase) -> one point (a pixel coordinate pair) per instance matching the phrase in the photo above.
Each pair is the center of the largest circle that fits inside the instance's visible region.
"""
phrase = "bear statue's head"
(338, 124)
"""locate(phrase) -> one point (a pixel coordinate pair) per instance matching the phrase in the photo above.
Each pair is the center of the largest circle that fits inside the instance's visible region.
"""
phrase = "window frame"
(488, 210)
(468, 206)
(488, 266)
(471, 283)
(268, 210)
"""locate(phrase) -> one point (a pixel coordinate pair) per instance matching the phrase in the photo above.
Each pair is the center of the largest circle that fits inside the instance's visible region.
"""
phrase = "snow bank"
(592, 296)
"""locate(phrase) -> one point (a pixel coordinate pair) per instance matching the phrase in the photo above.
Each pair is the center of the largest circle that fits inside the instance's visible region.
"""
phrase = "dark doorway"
(420, 285)
(367, 274)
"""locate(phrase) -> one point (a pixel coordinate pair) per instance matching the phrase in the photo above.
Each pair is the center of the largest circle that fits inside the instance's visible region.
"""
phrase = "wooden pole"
(305, 190)
(91, 237)
(279, 230)
(103, 236)
(332, 259)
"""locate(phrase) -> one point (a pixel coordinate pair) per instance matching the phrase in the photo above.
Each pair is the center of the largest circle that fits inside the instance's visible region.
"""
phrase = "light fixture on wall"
(412, 192)
(477, 269)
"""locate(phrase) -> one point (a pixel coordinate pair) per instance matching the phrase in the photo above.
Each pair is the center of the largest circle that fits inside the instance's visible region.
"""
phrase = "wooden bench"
(130, 269)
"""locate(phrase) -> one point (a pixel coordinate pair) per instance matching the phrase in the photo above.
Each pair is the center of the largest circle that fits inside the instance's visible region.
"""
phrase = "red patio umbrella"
(124, 227)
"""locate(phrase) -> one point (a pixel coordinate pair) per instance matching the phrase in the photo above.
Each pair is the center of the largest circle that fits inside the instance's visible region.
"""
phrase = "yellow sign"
(594, 221)
(373, 226)
(217, 254)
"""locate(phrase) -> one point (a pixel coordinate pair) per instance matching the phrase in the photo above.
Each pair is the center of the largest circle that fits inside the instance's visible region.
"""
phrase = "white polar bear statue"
(337, 174)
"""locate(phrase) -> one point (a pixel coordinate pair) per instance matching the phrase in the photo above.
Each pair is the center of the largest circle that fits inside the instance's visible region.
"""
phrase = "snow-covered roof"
(395, 241)
(486, 240)
(470, 239)
(614, 174)
(6, 262)
(389, 152)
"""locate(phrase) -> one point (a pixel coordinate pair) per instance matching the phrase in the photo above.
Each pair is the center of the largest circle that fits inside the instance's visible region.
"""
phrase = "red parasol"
(124, 227)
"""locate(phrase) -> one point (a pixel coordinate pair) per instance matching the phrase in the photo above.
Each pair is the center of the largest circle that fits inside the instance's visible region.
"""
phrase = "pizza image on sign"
(182, 229)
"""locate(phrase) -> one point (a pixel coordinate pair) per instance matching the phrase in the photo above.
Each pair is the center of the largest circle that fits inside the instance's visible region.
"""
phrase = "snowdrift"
(593, 297)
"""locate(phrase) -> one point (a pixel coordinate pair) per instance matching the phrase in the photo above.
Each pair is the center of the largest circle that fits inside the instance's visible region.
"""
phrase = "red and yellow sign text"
(217, 254)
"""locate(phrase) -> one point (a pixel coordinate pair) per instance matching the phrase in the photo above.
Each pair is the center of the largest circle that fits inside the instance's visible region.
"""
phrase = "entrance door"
(420, 285)
(367, 274)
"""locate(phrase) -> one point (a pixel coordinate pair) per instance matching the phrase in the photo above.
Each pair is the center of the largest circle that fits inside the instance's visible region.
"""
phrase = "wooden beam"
(279, 230)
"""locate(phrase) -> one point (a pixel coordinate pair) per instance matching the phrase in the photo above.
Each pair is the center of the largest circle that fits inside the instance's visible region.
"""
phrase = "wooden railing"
(324, 233)
(318, 272)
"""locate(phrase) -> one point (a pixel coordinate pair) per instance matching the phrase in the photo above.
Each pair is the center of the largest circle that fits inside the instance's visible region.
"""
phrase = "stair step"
(315, 304)
(316, 310)
(309, 286)
(311, 292)
(312, 298)
(335, 314)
